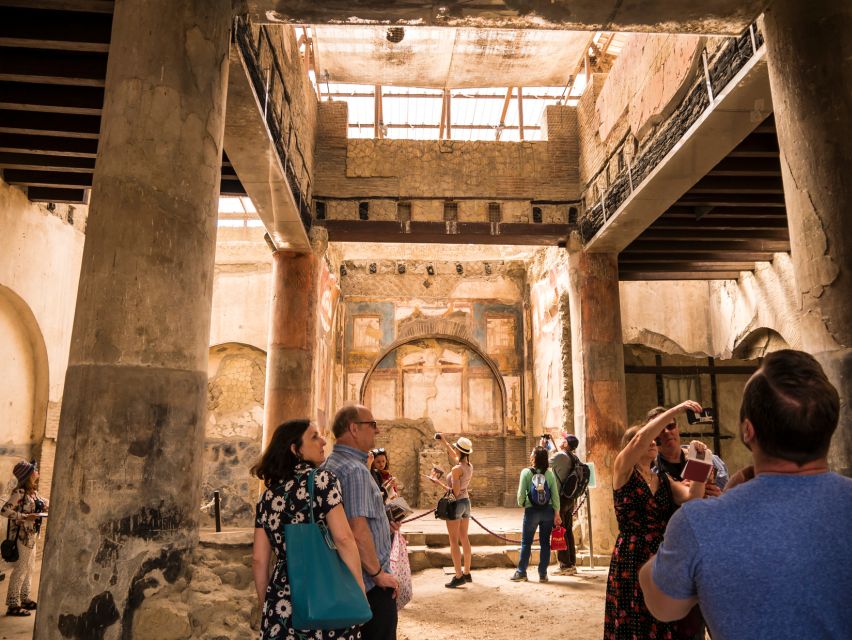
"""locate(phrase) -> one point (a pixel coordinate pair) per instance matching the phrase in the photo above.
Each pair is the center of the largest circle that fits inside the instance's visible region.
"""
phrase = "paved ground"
(494, 608)
(16, 628)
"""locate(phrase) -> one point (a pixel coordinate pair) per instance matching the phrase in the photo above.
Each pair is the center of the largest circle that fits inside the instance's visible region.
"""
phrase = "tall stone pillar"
(600, 403)
(126, 486)
(810, 84)
(292, 340)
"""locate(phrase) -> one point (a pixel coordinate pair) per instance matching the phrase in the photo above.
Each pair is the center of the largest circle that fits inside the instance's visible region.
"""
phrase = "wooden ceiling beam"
(738, 184)
(49, 145)
(50, 194)
(732, 166)
(705, 235)
(436, 232)
(655, 246)
(503, 112)
(700, 255)
(53, 67)
(62, 179)
(64, 30)
(688, 265)
(628, 276)
(49, 163)
(50, 124)
(732, 199)
(697, 212)
(51, 98)
(85, 6)
(707, 222)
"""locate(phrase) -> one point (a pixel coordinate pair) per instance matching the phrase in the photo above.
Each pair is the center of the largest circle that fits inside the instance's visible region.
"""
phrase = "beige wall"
(40, 255)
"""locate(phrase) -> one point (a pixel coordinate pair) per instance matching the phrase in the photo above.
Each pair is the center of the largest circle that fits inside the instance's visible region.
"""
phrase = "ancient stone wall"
(233, 431)
(40, 252)
(482, 305)
(427, 173)
(550, 336)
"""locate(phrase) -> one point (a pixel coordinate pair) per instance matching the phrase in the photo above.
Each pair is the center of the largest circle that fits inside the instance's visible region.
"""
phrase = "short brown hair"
(343, 418)
(792, 405)
(653, 413)
(631, 431)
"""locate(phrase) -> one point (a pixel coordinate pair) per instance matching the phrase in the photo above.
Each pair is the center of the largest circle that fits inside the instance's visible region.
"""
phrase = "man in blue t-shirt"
(772, 557)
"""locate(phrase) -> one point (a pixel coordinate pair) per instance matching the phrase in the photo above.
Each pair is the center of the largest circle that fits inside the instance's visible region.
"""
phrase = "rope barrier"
(496, 535)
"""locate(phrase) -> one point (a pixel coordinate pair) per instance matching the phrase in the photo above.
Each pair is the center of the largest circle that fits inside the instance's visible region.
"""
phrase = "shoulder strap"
(311, 474)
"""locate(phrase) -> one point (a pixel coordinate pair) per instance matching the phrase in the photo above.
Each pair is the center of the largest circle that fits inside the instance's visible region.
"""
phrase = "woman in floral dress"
(644, 502)
(295, 449)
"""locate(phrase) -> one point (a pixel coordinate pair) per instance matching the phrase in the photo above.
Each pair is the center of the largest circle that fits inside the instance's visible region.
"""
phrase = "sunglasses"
(671, 426)
(378, 452)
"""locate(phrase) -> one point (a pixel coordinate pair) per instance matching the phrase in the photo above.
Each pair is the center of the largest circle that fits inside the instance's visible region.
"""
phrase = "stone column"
(810, 84)
(600, 403)
(126, 486)
(292, 339)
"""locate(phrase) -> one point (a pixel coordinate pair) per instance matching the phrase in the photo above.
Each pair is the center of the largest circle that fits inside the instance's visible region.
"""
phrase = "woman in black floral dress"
(296, 448)
(644, 502)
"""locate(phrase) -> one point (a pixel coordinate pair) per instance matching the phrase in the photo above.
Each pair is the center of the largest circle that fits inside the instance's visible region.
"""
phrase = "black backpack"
(575, 483)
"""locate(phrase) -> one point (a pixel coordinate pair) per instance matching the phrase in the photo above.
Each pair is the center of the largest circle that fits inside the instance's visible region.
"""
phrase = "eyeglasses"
(373, 424)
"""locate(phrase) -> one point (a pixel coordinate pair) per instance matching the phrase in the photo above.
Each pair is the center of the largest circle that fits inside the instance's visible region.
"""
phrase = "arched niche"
(432, 341)
(758, 343)
(23, 353)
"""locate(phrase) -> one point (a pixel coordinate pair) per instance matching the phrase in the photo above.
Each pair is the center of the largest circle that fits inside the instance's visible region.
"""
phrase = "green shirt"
(524, 488)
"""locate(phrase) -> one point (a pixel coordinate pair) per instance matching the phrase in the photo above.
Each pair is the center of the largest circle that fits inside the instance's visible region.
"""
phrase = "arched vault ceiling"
(448, 57)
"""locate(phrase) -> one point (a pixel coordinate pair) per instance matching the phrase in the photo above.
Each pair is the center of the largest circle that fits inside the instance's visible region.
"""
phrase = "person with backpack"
(538, 493)
(573, 478)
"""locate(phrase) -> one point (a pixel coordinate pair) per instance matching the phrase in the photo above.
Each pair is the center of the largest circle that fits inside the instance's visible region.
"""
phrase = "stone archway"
(24, 395)
(439, 329)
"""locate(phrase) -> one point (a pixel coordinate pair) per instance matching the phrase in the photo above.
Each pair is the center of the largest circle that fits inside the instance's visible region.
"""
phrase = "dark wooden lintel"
(48, 194)
(436, 232)
(679, 370)
(677, 275)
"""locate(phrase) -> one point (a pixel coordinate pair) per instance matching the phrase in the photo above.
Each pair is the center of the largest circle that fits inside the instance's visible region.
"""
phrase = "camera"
(707, 416)
(546, 436)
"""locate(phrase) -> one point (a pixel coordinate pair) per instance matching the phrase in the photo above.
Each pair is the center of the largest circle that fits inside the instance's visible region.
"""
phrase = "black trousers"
(567, 558)
(382, 626)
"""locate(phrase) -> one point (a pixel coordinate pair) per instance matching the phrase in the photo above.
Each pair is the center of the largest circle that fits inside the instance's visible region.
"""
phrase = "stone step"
(487, 557)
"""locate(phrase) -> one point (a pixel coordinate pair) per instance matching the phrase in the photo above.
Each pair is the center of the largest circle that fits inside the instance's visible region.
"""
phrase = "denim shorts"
(462, 509)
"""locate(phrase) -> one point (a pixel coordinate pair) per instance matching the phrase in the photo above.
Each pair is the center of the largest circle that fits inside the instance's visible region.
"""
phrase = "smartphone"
(705, 416)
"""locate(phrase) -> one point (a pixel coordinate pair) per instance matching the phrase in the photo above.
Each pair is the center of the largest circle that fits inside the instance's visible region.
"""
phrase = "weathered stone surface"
(126, 483)
(804, 77)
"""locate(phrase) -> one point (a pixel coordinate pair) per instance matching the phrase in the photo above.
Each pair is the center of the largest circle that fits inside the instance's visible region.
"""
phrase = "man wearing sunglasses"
(672, 457)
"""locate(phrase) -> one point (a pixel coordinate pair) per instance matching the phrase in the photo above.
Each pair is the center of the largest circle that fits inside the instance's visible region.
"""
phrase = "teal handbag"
(323, 592)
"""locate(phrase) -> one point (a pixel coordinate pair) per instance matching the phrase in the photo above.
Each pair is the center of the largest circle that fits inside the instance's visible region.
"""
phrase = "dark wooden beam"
(708, 222)
(436, 232)
(700, 254)
(641, 245)
(231, 186)
(714, 234)
(733, 166)
(48, 194)
(47, 178)
(85, 6)
(51, 98)
(757, 145)
(49, 124)
(738, 184)
(697, 212)
(51, 145)
(53, 67)
(678, 275)
(687, 265)
(44, 29)
(49, 163)
(732, 199)
(680, 370)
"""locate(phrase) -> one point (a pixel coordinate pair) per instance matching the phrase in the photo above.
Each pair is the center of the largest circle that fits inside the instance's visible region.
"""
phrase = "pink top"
(464, 481)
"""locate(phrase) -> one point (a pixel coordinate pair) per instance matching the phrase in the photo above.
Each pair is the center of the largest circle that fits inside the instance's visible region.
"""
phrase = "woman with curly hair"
(296, 448)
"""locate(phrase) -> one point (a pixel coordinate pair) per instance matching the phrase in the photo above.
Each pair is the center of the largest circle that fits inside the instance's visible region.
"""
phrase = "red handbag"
(557, 539)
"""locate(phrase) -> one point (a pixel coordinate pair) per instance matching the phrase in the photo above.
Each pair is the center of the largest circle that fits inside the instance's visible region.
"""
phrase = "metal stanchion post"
(216, 513)
(591, 543)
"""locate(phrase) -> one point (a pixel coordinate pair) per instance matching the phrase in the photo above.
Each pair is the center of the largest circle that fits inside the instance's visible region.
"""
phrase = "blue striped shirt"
(362, 497)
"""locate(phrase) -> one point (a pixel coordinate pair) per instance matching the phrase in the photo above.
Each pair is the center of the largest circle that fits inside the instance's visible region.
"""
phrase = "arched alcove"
(445, 377)
(23, 353)
(758, 342)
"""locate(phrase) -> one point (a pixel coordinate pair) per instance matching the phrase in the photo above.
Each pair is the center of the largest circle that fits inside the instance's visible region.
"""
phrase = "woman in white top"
(458, 481)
